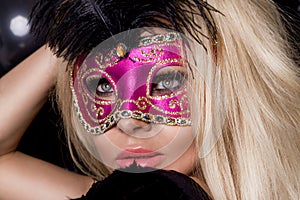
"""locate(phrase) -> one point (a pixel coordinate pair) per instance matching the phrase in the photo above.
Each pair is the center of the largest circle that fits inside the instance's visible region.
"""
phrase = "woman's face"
(133, 99)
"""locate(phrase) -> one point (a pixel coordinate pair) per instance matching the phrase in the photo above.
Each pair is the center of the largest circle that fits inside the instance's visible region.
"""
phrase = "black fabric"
(151, 185)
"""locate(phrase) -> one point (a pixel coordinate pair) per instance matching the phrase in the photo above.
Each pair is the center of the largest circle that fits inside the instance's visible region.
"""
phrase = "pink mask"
(147, 82)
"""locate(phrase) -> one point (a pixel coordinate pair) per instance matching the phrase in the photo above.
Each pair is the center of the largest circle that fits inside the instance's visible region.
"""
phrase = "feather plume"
(74, 27)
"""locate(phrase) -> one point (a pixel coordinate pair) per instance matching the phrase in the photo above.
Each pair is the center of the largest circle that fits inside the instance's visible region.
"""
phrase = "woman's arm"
(23, 91)
(27, 178)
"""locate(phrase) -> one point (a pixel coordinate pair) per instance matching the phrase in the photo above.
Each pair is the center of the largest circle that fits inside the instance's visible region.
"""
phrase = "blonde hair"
(256, 155)
(248, 129)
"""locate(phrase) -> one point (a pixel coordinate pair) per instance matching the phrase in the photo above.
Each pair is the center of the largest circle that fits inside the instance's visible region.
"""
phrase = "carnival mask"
(146, 82)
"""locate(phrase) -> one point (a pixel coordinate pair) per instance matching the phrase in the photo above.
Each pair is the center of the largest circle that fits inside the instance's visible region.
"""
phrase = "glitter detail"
(160, 38)
(127, 114)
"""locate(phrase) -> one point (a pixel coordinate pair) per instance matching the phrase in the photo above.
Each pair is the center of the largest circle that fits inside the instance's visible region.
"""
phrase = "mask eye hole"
(168, 80)
(100, 87)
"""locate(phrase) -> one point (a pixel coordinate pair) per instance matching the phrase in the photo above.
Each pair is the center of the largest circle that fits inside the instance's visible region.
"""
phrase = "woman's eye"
(167, 82)
(104, 87)
(101, 87)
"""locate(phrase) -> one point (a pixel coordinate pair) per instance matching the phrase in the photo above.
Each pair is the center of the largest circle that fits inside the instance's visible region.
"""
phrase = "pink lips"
(142, 157)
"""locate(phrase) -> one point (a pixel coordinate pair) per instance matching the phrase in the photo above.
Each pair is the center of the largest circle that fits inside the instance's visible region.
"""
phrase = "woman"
(242, 86)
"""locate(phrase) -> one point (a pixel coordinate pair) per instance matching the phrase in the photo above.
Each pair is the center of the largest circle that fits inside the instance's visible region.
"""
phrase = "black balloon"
(16, 43)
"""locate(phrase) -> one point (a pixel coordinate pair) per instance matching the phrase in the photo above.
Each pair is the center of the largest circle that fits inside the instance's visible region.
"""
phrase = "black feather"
(74, 27)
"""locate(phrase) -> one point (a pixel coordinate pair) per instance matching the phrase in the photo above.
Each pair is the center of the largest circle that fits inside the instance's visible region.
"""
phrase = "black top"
(151, 185)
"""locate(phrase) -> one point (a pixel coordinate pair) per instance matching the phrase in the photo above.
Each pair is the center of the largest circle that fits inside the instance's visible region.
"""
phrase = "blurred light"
(19, 26)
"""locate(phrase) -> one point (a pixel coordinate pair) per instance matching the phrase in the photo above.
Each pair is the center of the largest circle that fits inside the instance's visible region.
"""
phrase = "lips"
(142, 157)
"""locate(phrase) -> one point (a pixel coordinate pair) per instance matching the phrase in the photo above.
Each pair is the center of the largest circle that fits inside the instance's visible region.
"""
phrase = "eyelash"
(171, 76)
(158, 87)
(93, 84)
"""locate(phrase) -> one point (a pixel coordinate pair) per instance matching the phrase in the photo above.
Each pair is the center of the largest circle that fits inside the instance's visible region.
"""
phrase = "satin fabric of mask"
(131, 79)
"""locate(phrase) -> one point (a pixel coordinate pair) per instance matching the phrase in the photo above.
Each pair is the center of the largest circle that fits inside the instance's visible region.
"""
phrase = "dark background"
(44, 139)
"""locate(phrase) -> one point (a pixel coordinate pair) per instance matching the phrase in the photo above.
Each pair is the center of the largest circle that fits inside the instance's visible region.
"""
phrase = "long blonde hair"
(248, 129)
(256, 155)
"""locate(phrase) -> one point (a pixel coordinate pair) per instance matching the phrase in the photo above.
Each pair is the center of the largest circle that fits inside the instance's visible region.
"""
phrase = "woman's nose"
(138, 128)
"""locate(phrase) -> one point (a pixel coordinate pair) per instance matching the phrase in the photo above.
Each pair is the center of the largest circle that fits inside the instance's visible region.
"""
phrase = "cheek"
(107, 150)
(185, 162)
(181, 151)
